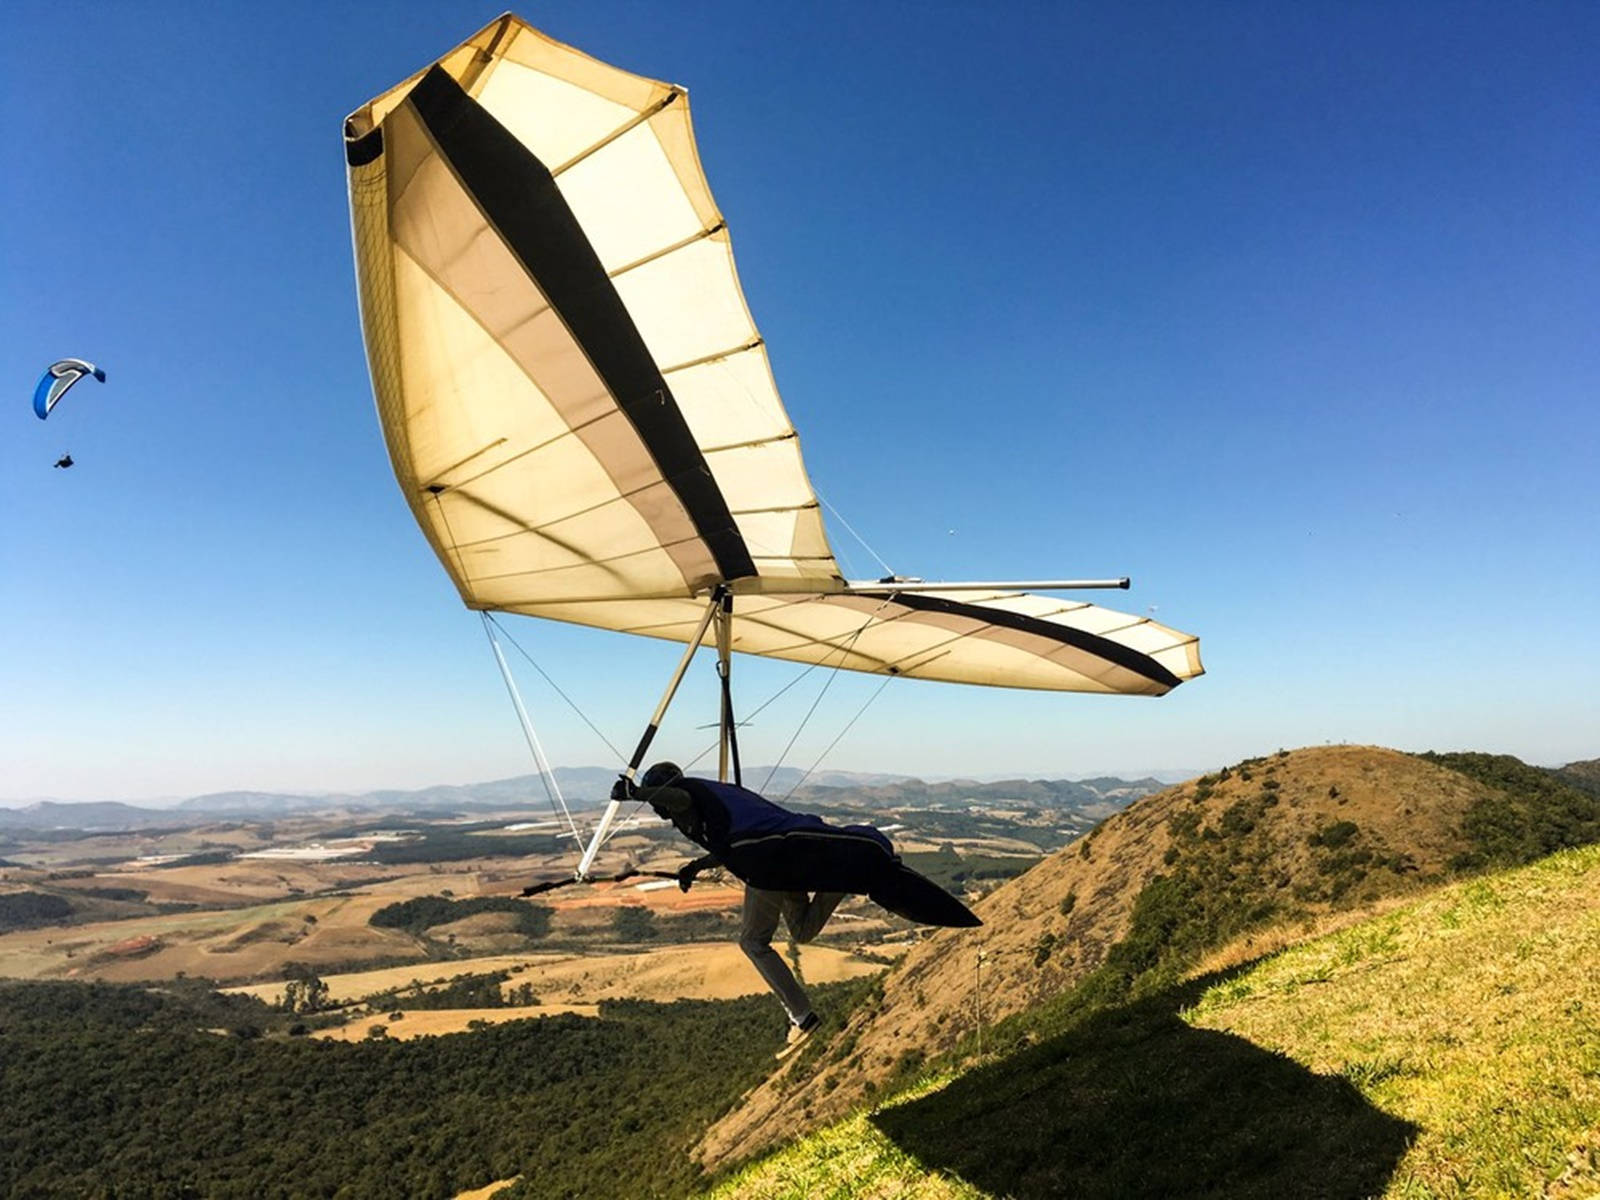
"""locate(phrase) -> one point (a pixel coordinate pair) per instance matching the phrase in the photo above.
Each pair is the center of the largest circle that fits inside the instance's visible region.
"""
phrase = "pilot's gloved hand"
(686, 875)
(623, 789)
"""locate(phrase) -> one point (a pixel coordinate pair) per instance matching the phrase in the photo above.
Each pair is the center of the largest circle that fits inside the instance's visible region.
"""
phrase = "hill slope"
(1283, 838)
(1585, 775)
(1447, 1048)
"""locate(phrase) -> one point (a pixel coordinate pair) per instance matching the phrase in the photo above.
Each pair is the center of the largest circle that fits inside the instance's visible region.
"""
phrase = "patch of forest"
(424, 912)
(35, 909)
(954, 870)
(120, 1090)
(29, 910)
(1584, 775)
(484, 990)
(1536, 812)
(453, 844)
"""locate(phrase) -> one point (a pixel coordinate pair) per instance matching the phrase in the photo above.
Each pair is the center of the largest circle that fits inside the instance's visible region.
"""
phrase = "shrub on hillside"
(424, 912)
(633, 923)
(1531, 814)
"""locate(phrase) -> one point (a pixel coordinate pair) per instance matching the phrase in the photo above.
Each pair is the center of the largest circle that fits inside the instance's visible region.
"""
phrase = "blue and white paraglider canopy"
(58, 377)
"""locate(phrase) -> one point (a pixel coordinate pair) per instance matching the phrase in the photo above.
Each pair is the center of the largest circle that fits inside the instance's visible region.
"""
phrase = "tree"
(633, 923)
(305, 995)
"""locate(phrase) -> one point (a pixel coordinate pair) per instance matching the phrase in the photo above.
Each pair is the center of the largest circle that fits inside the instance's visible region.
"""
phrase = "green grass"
(1473, 1014)
(1450, 1048)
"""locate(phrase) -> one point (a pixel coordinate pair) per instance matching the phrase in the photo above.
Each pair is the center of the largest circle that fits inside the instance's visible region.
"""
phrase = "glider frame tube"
(728, 736)
(1028, 585)
(609, 816)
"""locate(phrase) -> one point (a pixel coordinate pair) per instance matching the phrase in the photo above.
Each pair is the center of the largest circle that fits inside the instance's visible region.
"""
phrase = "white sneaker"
(798, 1034)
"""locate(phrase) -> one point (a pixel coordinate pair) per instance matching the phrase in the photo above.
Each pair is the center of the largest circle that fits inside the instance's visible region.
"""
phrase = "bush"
(633, 923)
(1332, 837)
(424, 912)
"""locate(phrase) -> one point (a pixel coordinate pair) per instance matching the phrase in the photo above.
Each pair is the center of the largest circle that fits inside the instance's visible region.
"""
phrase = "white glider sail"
(580, 410)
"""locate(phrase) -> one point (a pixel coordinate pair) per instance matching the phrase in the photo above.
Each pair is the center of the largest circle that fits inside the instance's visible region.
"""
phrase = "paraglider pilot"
(793, 866)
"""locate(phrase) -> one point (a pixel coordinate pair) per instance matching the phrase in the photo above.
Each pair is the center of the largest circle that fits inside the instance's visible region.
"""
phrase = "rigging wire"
(849, 528)
(842, 651)
(859, 713)
(547, 777)
(834, 674)
(691, 762)
(572, 704)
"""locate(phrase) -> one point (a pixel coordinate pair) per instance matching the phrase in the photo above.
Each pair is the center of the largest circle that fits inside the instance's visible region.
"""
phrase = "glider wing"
(580, 410)
(57, 379)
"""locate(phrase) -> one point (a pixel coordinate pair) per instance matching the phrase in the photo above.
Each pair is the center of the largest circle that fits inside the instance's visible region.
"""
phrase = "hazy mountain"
(582, 788)
(1585, 775)
(99, 814)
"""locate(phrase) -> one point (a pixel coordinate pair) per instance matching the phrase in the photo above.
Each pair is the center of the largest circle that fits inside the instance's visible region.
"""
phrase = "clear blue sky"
(1288, 311)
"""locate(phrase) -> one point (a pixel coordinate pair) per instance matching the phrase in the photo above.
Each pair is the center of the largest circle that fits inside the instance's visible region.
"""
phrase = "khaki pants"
(805, 915)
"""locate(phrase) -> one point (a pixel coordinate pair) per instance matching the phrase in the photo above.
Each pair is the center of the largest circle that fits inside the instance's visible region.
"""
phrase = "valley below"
(1337, 971)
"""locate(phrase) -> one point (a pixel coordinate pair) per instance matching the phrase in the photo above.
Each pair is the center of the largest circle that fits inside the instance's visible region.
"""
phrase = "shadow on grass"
(1134, 1102)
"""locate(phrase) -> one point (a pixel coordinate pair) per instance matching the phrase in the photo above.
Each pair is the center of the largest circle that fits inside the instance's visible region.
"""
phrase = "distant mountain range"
(587, 788)
(581, 787)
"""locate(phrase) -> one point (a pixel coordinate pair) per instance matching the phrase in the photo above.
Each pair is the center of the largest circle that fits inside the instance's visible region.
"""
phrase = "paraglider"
(57, 380)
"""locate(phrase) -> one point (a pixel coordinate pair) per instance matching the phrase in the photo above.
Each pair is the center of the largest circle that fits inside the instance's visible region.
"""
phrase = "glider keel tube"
(609, 816)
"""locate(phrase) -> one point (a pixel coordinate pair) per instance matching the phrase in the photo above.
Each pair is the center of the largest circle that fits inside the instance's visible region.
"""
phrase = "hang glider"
(580, 410)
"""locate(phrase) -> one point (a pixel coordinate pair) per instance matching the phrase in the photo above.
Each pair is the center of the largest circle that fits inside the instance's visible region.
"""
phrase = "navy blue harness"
(772, 848)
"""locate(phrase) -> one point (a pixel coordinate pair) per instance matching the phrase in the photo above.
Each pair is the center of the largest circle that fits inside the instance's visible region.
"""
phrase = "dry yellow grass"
(1472, 1014)
(437, 1021)
(488, 1190)
(853, 1160)
(217, 944)
(700, 971)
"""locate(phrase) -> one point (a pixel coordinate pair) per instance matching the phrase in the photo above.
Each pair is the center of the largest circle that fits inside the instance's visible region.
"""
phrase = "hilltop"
(1585, 775)
(1276, 842)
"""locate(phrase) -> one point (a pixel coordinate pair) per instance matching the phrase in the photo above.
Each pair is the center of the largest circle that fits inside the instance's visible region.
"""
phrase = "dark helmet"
(661, 774)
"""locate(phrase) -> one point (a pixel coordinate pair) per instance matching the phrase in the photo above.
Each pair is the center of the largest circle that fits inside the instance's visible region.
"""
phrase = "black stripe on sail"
(359, 151)
(1078, 639)
(520, 197)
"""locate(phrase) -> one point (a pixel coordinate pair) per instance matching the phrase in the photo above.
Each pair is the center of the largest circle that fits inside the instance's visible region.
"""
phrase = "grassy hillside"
(1258, 853)
(1449, 1047)
(1585, 775)
(1285, 837)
